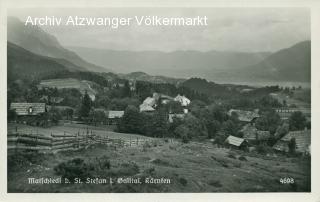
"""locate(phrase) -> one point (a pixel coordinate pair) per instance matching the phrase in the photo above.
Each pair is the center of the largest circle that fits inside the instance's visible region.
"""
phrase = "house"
(236, 142)
(244, 116)
(303, 141)
(28, 109)
(146, 108)
(183, 100)
(252, 134)
(172, 116)
(151, 101)
(114, 116)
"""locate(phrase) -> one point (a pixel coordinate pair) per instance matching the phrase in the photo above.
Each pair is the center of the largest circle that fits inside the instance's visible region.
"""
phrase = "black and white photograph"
(158, 100)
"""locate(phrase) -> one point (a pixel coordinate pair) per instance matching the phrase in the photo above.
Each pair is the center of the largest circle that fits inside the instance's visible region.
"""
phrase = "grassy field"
(191, 167)
(301, 99)
(69, 83)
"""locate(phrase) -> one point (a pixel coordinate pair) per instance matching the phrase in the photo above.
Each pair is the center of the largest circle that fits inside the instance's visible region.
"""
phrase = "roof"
(28, 108)
(183, 100)
(149, 101)
(245, 116)
(303, 141)
(146, 108)
(250, 132)
(115, 114)
(236, 141)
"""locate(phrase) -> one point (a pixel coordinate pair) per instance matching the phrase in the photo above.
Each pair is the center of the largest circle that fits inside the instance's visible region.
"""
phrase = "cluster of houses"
(150, 103)
(24, 110)
(253, 136)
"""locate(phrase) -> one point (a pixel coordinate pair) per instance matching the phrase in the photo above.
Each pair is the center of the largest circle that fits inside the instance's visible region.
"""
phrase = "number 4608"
(287, 180)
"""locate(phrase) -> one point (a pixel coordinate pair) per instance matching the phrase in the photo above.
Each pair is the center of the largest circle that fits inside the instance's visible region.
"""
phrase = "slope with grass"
(189, 167)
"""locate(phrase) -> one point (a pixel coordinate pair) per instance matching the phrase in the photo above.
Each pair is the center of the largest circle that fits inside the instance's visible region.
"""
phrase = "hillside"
(191, 167)
(83, 86)
(141, 76)
(290, 64)
(23, 63)
(34, 39)
(207, 88)
(174, 64)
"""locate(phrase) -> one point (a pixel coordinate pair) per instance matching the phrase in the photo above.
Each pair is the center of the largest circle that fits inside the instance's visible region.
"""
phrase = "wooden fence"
(55, 143)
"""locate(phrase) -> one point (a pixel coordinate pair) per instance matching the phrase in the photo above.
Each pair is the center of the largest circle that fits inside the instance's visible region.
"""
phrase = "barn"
(303, 141)
(28, 109)
(114, 116)
(236, 142)
(30, 113)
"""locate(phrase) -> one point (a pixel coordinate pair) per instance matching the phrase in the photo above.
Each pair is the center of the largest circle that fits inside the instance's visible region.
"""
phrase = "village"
(243, 135)
(84, 124)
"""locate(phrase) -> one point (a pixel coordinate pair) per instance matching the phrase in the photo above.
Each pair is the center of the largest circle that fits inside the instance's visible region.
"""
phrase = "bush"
(263, 149)
(75, 168)
(183, 181)
(145, 146)
(231, 156)
(242, 158)
(104, 162)
(215, 183)
(126, 169)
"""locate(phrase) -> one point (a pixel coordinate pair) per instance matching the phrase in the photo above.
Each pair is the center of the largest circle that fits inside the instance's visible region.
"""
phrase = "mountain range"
(289, 64)
(36, 40)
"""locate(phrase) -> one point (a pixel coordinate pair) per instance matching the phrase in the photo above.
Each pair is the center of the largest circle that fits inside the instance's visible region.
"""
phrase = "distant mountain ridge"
(290, 64)
(184, 64)
(25, 64)
(34, 39)
(141, 76)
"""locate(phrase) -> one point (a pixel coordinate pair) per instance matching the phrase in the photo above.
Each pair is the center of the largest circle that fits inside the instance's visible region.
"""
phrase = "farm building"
(114, 116)
(236, 142)
(172, 116)
(150, 101)
(183, 100)
(303, 141)
(28, 109)
(244, 116)
(146, 108)
(252, 134)
(30, 113)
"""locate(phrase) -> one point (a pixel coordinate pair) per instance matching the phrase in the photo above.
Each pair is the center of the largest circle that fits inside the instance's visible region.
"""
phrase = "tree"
(97, 116)
(230, 128)
(85, 106)
(297, 121)
(126, 92)
(68, 113)
(160, 124)
(292, 146)
(269, 121)
(182, 132)
(132, 121)
(54, 115)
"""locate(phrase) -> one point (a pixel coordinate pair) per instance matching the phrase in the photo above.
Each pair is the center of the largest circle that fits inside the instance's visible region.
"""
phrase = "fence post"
(51, 142)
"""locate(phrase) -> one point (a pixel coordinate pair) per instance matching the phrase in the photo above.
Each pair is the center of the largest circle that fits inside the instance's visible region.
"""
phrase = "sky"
(229, 29)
